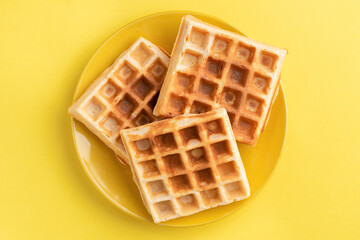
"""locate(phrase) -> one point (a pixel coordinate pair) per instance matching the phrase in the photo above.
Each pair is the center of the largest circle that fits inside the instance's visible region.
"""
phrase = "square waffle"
(186, 164)
(211, 67)
(124, 95)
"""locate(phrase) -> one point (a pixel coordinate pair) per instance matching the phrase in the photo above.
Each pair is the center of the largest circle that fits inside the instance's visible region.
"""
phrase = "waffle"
(211, 68)
(124, 95)
(186, 164)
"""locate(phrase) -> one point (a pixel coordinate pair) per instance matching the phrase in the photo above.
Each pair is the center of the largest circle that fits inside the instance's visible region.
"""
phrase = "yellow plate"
(113, 179)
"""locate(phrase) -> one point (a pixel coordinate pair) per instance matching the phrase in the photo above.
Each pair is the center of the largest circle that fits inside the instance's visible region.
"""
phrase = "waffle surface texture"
(211, 68)
(124, 95)
(186, 164)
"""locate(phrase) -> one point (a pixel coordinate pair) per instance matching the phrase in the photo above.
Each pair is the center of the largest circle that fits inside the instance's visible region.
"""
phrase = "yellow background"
(314, 191)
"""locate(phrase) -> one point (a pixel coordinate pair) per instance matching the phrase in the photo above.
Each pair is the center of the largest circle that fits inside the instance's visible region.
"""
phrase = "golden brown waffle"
(124, 95)
(186, 164)
(211, 67)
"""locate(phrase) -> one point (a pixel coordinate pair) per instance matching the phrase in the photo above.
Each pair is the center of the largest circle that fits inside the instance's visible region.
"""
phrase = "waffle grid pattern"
(216, 68)
(126, 96)
(187, 169)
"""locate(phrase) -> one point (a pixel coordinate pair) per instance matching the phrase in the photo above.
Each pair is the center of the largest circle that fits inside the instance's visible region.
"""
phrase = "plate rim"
(93, 180)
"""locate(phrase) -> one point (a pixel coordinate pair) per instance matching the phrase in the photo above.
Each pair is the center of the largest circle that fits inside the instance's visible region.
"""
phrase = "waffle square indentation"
(214, 67)
(173, 164)
(254, 105)
(126, 105)
(180, 183)
(141, 54)
(164, 209)
(143, 146)
(185, 82)
(247, 126)
(207, 89)
(142, 87)
(157, 188)
(177, 103)
(199, 37)
(110, 90)
(211, 197)
(165, 142)
(231, 97)
(110, 124)
(204, 178)
(190, 59)
(261, 83)
(221, 45)
(214, 127)
(238, 74)
(94, 108)
(199, 107)
(190, 135)
(125, 72)
(245, 52)
(228, 170)
(197, 157)
(158, 70)
(221, 150)
(149, 169)
(235, 190)
(188, 203)
(143, 118)
(268, 60)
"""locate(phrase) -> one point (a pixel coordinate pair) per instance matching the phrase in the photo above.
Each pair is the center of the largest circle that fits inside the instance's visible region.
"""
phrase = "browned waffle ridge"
(124, 95)
(211, 67)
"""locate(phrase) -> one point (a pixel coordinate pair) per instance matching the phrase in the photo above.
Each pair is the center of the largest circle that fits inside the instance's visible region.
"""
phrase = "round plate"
(113, 179)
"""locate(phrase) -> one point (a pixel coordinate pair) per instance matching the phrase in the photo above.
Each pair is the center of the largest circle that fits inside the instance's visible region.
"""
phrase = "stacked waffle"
(124, 95)
(212, 68)
(186, 164)
(217, 88)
